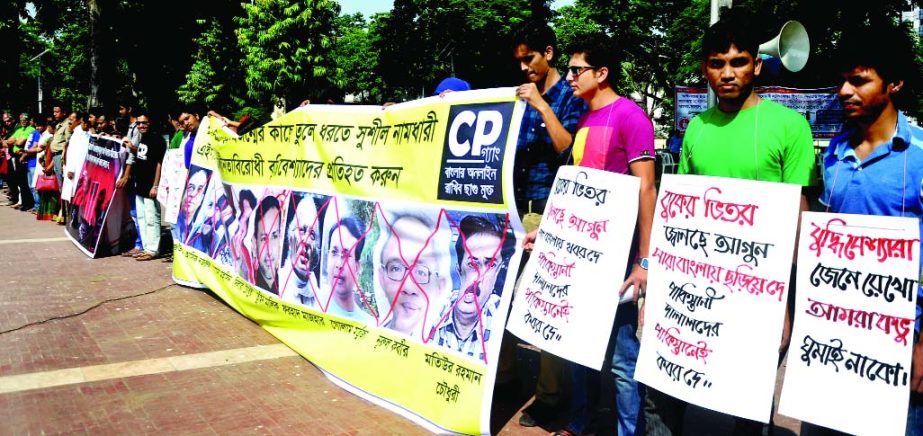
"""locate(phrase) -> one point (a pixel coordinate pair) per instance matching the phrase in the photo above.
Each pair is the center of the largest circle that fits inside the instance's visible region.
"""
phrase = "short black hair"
(472, 225)
(734, 28)
(193, 109)
(354, 227)
(536, 36)
(268, 202)
(886, 48)
(246, 196)
(599, 51)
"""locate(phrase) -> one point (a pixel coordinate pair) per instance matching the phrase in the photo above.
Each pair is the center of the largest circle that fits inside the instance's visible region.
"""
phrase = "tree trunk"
(93, 7)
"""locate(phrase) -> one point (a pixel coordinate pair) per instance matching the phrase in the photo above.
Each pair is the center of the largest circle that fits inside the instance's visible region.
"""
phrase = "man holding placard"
(876, 166)
(743, 137)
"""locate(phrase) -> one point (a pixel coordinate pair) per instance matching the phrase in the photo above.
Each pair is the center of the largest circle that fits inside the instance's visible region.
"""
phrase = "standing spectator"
(189, 117)
(32, 148)
(145, 173)
(62, 134)
(20, 195)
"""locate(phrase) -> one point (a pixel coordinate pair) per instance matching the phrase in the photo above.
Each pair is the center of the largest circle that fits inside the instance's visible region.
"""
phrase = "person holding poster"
(744, 137)
(545, 136)
(478, 249)
(875, 167)
(299, 284)
(617, 136)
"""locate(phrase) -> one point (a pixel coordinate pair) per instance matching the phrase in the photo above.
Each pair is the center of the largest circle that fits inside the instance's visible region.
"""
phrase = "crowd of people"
(875, 167)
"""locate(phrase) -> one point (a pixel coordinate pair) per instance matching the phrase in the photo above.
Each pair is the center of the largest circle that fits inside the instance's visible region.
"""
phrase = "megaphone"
(791, 45)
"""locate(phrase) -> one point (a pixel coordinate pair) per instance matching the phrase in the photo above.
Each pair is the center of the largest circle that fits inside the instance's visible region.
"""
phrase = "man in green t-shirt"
(19, 185)
(743, 137)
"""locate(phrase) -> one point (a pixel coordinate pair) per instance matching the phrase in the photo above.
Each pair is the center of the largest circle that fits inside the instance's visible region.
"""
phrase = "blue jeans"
(628, 392)
(30, 174)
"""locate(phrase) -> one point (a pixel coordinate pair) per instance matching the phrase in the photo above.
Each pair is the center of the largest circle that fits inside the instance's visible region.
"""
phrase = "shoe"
(132, 253)
(538, 413)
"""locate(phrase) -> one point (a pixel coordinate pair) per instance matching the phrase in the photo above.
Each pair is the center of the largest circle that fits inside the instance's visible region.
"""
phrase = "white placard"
(568, 293)
(721, 252)
(849, 361)
(172, 183)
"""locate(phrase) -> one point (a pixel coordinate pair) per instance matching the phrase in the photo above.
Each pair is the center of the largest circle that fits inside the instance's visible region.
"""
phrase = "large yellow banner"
(379, 243)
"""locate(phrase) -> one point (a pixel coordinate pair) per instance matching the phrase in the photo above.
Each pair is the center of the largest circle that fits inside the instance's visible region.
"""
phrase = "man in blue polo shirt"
(875, 167)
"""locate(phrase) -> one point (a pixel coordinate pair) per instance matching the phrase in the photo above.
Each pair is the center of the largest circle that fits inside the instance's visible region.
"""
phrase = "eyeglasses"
(396, 270)
(142, 123)
(482, 264)
(577, 70)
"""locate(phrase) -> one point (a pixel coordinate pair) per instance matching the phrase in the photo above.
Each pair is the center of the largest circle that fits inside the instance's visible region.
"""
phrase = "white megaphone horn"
(791, 45)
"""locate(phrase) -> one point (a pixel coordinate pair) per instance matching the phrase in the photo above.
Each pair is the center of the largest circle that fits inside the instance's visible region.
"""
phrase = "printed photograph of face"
(411, 269)
(266, 243)
(192, 222)
(300, 251)
(342, 264)
(483, 247)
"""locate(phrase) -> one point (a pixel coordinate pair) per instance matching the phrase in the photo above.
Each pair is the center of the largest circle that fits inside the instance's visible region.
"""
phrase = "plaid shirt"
(447, 337)
(536, 161)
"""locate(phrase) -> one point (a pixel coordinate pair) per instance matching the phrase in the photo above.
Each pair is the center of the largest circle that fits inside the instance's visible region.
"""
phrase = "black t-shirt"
(150, 153)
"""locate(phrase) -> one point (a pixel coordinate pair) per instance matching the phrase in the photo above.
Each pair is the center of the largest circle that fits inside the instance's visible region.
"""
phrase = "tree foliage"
(287, 46)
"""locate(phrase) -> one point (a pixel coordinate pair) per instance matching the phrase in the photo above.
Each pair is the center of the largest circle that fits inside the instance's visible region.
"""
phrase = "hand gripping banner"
(379, 243)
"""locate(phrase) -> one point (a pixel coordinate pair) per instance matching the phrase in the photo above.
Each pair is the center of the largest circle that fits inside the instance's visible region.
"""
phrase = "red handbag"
(46, 183)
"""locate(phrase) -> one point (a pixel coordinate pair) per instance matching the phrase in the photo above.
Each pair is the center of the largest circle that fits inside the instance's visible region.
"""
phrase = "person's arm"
(644, 169)
(156, 184)
(124, 179)
(561, 138)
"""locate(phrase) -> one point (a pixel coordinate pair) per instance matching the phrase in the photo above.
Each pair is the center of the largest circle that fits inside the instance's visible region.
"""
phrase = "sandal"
(132, 253)
(145, 257)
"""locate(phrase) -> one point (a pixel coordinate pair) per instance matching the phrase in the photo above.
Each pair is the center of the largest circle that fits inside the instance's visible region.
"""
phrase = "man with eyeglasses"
(299, 285)
(344, 246)
(145, 171)
(467, 328)
(411, 272)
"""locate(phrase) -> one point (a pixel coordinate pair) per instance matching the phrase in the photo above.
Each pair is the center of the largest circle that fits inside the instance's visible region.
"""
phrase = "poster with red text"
(568, 292)
(720, 260)
(858, 277)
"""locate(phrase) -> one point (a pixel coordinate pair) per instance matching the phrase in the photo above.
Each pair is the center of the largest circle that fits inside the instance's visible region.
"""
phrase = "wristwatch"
(642, 262)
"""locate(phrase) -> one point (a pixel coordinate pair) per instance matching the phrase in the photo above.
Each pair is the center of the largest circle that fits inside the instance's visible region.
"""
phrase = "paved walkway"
(112, 346)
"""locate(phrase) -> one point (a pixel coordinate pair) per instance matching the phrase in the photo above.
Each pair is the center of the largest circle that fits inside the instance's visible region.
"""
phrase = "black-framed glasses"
(142, 123)
(396, 270)
(577, 70)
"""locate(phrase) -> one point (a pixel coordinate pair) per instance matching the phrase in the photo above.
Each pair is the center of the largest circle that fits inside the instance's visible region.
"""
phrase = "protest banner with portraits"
(568, 293)
(98, 211)
(853, 331)
(720, 260)
(379, 243)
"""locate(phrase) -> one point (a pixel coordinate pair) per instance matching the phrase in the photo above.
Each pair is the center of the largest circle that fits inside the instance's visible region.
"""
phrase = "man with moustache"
(468, 326)
(267, 243)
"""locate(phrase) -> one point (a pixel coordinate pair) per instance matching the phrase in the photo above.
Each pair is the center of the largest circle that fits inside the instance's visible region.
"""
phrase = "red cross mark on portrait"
(479, 266)
(343, 248)
(306, 245)
(267, 234)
